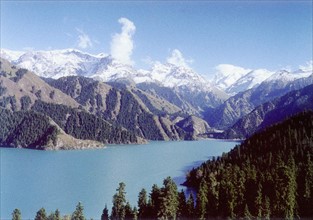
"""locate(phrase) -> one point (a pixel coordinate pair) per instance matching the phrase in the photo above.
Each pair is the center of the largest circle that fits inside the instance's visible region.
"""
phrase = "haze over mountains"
(167, 102)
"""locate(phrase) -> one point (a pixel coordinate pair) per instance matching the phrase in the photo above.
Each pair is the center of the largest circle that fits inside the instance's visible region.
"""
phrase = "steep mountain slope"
(59, 63)
(21, 89)
(194, 126)
(272, 112)
(145, 115)
(249, 81)
(83, 125)
(28, 129)
(243, 103)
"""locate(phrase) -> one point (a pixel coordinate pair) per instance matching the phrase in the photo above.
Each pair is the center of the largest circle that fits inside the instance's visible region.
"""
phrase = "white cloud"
(228, 69)
(122, 44)
(83, 41)
(178, 59)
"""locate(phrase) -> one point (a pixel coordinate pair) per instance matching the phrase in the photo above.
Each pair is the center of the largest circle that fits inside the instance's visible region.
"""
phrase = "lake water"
(59, 179)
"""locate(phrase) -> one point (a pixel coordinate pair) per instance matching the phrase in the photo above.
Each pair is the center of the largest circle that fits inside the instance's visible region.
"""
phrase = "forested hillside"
(83, 125)
(32, 130)
(269, 175)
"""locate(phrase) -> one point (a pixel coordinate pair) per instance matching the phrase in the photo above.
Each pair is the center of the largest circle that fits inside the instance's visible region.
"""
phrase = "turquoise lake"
(60, 179)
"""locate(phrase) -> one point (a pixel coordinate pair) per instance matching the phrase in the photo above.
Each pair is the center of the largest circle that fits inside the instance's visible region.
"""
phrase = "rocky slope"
(272, 112)
(243, 103)
(146, 115)
(195, 126)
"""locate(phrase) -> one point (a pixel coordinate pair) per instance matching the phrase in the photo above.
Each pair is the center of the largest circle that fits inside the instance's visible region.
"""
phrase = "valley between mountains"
(68, 99)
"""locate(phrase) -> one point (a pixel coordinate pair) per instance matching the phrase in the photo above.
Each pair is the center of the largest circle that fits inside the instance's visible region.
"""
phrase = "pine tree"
(128, 211)
(190, 207)
(119, 202)
(155, 201)
(246, 213)
(258, 202)
(182, 206)
(169, 199)
(41, 214)
(202, 200)
(57, 215)
(142, 204)
(16, 215)
(78, 214)
(105, 213)
(135, 213)
(267, 208)
(51, 216)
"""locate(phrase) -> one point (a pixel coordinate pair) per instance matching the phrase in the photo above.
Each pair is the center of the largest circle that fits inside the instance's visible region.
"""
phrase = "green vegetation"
(16, 215)
(78, 214)
(25, 102)
(268, 175)
(26, 129)
(19, 74)
(8, 102)
(83, 125)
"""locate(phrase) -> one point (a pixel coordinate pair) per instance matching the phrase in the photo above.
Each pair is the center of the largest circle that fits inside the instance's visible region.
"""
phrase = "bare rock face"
(195, 126)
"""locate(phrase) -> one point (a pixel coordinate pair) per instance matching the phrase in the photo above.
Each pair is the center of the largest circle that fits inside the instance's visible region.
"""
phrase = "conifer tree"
(105, 213)
(202, 200)
(41, 214)
(169, 199)
(128, 211)
(119, 202)
(247, 215)
(142, 204)
(182, 206)
(190, 206)
(16, 215)
(155, 201)
(78, 214)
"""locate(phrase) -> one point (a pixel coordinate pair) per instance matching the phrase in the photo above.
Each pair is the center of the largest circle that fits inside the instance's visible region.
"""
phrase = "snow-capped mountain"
(173, 76)
(60, 63)
(226, 75)
(55, 63)
(285, 76)
(249, 80)
(233, 79)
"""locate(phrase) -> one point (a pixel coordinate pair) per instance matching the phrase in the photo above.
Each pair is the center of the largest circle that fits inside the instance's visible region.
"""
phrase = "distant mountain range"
(167, 102)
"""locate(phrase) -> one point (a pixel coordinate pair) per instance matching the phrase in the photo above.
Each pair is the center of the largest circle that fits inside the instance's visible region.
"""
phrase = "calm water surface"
(59, 179)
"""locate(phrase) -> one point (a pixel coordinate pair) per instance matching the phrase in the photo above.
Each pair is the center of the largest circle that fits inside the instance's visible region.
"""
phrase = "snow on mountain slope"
(170, 75)
(249, 80)
(284, 76)
(233, 79)
(226, 75)
(59, 63)
(10, 54)
(55, 63)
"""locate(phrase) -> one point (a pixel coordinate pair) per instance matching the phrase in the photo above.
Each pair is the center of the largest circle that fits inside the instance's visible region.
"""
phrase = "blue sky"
(251, 34)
